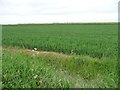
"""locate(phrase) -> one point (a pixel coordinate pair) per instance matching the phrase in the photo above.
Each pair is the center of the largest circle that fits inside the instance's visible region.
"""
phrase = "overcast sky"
(49, 11)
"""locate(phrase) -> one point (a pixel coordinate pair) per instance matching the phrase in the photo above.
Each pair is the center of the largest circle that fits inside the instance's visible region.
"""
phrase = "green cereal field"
(60, 55)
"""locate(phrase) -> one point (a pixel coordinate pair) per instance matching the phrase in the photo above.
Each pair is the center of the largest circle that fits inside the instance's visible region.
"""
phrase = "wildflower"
(35, 76)
(35, 49)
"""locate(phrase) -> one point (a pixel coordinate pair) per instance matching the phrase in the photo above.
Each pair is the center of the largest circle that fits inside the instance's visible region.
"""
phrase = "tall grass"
(21, 70)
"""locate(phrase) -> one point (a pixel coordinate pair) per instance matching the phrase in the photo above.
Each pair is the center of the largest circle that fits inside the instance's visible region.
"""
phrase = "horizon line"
(61, 23)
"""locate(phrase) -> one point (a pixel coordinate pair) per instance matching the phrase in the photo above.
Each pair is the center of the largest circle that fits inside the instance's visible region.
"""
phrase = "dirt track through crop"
(35, 52)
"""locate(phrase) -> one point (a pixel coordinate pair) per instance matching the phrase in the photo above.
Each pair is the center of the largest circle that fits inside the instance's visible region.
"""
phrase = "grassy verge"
(24, 70)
